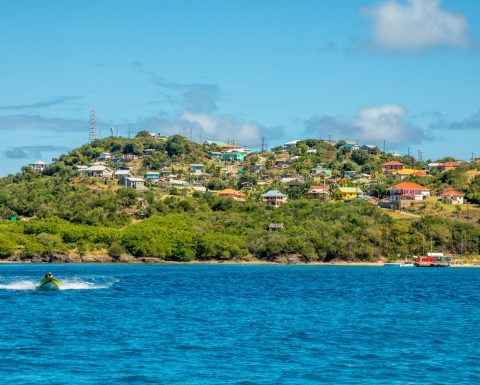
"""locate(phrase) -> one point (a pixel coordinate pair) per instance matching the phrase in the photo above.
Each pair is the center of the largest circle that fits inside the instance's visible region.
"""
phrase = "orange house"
(232, 194)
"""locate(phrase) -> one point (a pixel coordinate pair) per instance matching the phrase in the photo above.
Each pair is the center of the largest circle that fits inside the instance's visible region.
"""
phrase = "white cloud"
(371, 125)
(223, 127)
(417, 25)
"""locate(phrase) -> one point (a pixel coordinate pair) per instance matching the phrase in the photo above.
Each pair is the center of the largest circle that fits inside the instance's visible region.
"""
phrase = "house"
(406, 172)
(311, 151)
(274, 197)
(393, 165)
(319, 192)
(349, 174)
(367, 198)
(199, 189)
(216, 155)
(196, 169)
(351, 146)
(321, 171)
(129, 157)
(105, 156)
(79, 167)
(135, 183)
(346, 193)
(97, 171)
(447, 166)
(231, 156)
(232, 194)
(38, 166)
(408, 191)
(275, 227)
(121, 173)
(152, 176)
(149, 151)
(290, 145)
(453, 197)
(371, 149)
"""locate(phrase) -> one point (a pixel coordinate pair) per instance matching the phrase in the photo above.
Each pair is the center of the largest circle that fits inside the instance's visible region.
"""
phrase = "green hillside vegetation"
(60, 211)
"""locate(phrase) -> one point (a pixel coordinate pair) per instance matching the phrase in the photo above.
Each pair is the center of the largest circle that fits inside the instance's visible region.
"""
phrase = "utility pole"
(384, 145)
(263, 144)
(93, 126)
(191, 134)
(128, 132)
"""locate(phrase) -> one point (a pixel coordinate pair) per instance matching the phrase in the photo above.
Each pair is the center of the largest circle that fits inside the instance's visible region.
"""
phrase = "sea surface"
(228, 324)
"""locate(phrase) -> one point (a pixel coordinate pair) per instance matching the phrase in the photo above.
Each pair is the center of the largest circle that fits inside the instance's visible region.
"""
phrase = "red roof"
(451, 164)
(409, 186)
(452, 192)
(393, 163)
(320, 188)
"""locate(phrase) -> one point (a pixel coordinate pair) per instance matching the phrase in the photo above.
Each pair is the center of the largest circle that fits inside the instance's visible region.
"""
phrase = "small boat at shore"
(433, 260)
(49, 283)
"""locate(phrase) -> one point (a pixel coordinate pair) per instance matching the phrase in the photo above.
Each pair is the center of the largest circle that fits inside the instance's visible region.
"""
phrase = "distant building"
(135, 183)
(152, 176)
(447, 166)
(98, 171)
(453, 197)
(408, 191)
(346, 193)
(196, 169)
(105, 156)
(274, 198)
(119, 174)
(290, 145)
(406, 172)
(393, 165)
(236, 156)
(371, 149)
(38, 166)
(232, 194)
(319, 192)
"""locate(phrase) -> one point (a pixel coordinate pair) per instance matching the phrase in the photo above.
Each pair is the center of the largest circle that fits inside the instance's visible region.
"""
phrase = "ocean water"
(140, 324)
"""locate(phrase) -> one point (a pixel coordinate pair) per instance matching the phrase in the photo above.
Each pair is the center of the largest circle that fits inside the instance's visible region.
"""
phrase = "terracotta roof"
(409, 186)
(320, 188)
(451, 164)
(393, 163)
(452, 192)
(419, 173)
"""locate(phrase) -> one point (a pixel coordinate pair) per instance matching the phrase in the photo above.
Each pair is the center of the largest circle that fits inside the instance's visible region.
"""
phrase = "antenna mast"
(93, 126)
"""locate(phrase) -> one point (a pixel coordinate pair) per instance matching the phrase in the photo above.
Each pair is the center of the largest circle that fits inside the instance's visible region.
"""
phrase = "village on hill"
(301, 169)
(169, 198)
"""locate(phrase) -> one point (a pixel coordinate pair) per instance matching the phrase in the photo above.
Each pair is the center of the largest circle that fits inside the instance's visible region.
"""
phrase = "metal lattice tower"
(93, 125)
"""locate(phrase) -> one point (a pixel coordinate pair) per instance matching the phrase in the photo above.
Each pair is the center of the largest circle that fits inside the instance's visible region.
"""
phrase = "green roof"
(274, 194)
(352, 190)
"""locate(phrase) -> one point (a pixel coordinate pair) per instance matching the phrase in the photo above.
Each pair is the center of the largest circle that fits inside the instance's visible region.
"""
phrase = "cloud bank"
(417, 25)
(371, 125)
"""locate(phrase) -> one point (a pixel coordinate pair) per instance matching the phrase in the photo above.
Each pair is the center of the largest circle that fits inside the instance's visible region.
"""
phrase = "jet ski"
(49, 283)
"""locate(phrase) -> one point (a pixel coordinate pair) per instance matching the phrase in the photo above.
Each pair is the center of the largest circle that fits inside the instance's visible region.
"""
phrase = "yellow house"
(345, 193)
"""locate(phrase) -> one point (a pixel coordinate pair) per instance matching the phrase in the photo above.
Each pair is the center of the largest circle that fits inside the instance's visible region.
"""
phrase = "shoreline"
(105, 260)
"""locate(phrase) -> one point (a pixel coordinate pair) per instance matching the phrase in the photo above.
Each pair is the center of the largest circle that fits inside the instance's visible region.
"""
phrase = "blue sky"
(401, 70)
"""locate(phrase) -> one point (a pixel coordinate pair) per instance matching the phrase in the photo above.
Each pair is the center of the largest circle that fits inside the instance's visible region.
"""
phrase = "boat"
(433, 260)
(49, 283)
(392, 264)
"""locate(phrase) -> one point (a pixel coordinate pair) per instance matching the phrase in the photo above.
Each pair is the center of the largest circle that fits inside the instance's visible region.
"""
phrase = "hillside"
(172, 199)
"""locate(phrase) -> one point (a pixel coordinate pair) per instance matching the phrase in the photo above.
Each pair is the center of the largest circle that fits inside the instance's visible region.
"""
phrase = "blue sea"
(235, 324)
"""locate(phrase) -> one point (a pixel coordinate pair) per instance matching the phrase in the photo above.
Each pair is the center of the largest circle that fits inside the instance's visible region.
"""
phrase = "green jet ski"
(49, 283)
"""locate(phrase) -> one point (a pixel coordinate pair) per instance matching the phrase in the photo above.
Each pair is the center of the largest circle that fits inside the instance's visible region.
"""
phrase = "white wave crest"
(19, 285)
